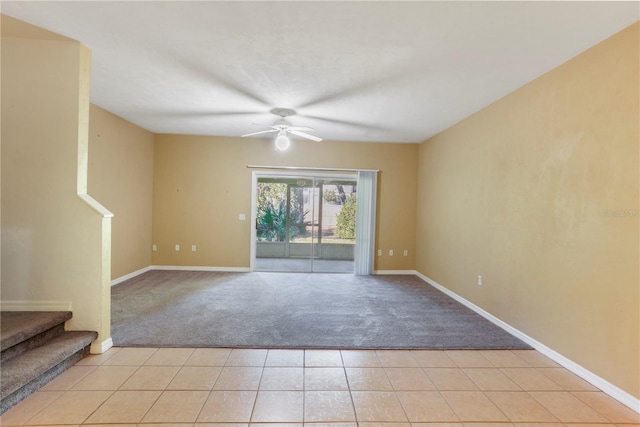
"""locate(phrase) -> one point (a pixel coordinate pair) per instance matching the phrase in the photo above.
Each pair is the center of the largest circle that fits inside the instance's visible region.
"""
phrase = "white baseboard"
(198, 268)
(393, 272)
(177, 267)
(130, 276)
(100, 347)
(597, 381)
(27, 305)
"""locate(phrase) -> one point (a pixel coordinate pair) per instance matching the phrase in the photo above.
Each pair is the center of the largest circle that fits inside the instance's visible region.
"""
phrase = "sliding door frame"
(255, 175)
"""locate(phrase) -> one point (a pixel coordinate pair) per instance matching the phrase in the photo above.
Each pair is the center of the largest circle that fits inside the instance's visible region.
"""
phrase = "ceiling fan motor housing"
(283, 112)
(282, 123)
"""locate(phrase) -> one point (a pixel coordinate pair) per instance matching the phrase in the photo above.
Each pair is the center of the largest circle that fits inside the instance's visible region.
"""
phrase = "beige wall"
(201, 184)
(121, 177)
(539, 194)
(53, 243)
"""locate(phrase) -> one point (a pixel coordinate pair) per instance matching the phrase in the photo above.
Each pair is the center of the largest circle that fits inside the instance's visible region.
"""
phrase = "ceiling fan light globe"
(282, 142)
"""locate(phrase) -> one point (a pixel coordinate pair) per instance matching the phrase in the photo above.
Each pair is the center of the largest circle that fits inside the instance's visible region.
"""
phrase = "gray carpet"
(295, 310)
(36, 349)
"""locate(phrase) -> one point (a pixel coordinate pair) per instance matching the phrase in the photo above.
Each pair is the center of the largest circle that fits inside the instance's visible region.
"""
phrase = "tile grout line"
(497, 407)
(118, 388)
(437, 389)
(71, 387)
(564, 387)
(208, 394)
(132, 374)
(304, 385)
(393, 387)
(255, 401)
(123, 382)
(353, 405)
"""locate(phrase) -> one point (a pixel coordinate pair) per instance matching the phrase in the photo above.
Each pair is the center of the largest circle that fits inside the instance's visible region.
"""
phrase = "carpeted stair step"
(24, 330)
(23, 375)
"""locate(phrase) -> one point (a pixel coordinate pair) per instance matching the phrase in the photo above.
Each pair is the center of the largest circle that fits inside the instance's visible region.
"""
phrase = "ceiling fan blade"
(303, 128)
(262, 131)
(305, 135)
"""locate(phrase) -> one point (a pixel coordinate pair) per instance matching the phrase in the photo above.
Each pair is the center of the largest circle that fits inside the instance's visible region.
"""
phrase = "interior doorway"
(304, 222)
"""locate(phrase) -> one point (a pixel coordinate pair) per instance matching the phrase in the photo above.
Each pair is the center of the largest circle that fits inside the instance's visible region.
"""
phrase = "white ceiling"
(358, 71)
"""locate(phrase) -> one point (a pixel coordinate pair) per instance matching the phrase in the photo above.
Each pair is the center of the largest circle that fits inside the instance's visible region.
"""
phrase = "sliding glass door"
(305, 222)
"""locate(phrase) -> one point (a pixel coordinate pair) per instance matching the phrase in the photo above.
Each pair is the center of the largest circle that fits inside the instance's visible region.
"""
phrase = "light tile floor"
(209, 387)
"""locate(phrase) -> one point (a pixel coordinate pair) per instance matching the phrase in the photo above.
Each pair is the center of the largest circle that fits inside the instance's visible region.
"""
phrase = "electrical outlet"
(193, 248)
(177, 248)
(242, 217)
(390, 252)
(154, 248)
(479, 280)
(379, 252)
(406, 253)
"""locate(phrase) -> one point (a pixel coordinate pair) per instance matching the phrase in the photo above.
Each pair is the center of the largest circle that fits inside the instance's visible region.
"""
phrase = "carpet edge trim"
(610, 389)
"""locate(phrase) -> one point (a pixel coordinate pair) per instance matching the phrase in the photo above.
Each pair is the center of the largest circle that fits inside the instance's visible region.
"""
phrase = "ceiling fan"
(283, 127)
